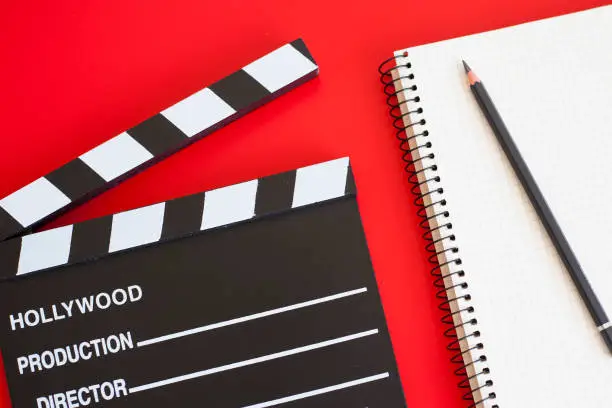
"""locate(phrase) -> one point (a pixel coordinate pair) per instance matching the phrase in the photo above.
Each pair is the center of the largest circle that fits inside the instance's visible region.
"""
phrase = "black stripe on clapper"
(350, 188)
(9, 254)
(240, 90)
(158, 135)
(75, 179)
(275, 193)
(8, 223)
(301, 47)
(90, 239)
(183, 216)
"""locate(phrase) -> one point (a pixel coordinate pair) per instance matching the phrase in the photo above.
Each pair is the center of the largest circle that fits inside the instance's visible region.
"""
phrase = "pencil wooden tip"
(472, 78)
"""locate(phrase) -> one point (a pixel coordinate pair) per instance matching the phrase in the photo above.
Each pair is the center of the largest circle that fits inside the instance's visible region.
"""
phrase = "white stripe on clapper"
(320, 182)
(252, 361)
(116, 156)
(243, 319)
(320, 391)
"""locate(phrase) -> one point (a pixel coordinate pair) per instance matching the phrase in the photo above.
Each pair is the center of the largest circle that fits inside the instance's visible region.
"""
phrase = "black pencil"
(539, 203)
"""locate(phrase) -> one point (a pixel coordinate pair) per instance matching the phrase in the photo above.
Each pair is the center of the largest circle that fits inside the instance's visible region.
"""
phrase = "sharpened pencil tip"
(472, 78)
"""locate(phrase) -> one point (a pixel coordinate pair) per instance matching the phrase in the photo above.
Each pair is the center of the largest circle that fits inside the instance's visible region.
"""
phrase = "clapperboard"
(257, 294)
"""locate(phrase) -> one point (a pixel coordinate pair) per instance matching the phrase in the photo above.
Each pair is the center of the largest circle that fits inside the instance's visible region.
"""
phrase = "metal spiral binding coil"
(444, 228)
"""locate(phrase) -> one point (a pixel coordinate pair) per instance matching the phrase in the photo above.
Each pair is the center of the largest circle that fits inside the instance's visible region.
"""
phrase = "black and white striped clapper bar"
(157, 137)
(176, 218)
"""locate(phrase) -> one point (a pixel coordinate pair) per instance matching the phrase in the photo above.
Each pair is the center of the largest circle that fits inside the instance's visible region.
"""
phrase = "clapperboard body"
(258, 294)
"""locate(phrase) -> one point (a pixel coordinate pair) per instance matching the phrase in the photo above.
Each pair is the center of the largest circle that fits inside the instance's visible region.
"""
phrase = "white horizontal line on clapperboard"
(320, 391)
(252, 361)
(255, 316)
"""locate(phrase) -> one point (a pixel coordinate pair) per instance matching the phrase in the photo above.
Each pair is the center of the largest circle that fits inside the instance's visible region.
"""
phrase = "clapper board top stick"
(163, 134)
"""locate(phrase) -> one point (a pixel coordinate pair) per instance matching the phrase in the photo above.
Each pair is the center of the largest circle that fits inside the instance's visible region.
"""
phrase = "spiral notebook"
(523, 335)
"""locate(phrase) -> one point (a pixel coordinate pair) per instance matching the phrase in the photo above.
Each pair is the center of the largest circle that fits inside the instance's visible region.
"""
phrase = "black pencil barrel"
(543, 210)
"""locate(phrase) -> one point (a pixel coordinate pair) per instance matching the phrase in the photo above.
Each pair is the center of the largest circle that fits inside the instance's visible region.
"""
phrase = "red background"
(75, 73)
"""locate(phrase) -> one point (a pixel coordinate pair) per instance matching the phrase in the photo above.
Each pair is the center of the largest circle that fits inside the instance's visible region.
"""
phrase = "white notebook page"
(552, 83)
